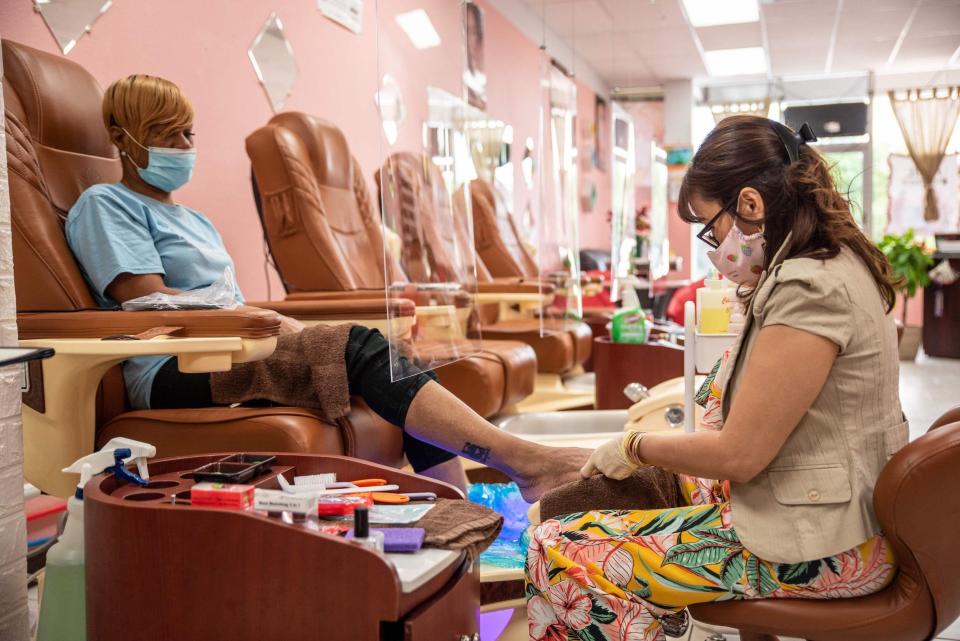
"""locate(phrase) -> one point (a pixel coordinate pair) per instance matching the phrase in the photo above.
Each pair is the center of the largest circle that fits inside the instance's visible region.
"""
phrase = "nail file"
(363, 490)
(369, 482)
(421, 496)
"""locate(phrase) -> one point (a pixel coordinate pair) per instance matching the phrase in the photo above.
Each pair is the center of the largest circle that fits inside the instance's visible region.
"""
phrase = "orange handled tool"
(386, 498)
(369, 482)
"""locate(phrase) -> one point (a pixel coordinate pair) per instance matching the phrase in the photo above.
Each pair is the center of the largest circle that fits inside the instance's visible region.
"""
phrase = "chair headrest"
(325, 144)
(61, 100)
(59, 103)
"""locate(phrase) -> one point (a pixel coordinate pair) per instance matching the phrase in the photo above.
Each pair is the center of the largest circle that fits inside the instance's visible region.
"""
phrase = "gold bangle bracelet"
(631, 447)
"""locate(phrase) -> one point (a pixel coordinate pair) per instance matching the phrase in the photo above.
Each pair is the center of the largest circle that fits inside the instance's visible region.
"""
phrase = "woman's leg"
(449, 472)
(446, 425)
(619, 573)
(173, 389)
(438, 417)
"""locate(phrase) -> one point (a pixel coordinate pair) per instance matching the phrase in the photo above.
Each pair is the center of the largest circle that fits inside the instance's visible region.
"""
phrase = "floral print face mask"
(739, 257)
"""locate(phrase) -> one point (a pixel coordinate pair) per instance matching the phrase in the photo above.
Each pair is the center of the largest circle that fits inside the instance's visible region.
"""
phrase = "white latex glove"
(611, 460)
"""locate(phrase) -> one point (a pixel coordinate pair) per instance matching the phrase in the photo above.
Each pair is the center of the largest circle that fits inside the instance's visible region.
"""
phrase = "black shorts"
(368, 372)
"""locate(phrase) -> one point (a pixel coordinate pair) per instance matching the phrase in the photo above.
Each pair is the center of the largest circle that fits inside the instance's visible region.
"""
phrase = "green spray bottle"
(629, 323)
(63, 615)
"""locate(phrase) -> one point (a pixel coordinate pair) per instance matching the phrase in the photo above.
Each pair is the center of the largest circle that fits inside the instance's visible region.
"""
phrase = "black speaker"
(829, 121)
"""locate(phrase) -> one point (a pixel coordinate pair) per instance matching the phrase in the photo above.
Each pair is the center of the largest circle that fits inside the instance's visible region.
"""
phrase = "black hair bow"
(792, 141)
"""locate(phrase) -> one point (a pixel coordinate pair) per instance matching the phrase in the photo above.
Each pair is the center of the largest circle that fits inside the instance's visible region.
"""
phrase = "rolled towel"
(649, 488)
(460, 525)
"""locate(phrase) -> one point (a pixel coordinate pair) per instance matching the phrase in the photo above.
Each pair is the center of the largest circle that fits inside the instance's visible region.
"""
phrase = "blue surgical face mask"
(168, 169)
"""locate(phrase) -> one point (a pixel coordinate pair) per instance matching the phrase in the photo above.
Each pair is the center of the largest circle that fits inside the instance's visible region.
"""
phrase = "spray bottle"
(629, 323)
(63, 607)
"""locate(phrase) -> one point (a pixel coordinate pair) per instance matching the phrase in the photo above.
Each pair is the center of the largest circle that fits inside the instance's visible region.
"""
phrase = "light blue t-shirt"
(113, 230)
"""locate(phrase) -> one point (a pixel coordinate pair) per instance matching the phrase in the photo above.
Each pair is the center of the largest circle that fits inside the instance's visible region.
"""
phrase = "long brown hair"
(800, 198)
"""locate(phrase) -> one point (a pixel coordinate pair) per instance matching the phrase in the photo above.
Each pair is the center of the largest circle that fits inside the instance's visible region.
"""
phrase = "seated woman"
(809, 413)
(132, 239)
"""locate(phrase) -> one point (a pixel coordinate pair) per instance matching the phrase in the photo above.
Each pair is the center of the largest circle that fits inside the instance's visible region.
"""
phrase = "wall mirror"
(68, 20)
(273, 60)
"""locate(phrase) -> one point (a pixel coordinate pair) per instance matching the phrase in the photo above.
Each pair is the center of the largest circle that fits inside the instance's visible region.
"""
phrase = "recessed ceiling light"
(709, 13)
(416, 24)
(735, 62)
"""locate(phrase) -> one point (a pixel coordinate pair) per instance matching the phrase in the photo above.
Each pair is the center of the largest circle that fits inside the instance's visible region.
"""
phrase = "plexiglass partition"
(558, 252)
(623, 240)
(426, 160)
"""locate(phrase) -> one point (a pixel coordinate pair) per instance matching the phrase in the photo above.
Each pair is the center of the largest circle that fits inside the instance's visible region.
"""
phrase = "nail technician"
(780, 496)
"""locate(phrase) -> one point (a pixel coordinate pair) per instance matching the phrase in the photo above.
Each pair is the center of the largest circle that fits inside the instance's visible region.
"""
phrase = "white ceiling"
(645, 42)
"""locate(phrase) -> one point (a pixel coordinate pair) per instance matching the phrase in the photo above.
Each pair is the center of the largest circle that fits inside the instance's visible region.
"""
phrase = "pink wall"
(202, 47)
(594, 226)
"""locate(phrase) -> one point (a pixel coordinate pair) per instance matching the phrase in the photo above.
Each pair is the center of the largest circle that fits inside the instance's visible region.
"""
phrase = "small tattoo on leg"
(475, 452)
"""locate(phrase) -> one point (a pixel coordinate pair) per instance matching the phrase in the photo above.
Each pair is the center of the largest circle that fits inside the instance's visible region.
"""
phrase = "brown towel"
(649, 488)
(460, 525)
(308, 369)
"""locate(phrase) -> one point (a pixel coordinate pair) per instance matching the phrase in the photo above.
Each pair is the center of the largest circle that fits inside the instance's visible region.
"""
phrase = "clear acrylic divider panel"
(424, 181)
(558, 246)
(623, 228)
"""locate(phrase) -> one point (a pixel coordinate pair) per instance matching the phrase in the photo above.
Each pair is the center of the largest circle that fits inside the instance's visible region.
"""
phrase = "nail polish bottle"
(362, 533)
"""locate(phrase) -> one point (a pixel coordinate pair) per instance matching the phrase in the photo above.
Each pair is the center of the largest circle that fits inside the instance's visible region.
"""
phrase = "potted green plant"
(911, 262)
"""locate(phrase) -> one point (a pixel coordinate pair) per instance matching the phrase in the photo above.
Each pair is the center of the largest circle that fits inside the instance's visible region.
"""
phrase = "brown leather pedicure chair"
(56, 148)
(327, 243)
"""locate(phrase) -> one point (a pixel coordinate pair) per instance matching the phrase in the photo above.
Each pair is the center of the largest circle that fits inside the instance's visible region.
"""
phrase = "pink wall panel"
(202, 47)
(594, 226)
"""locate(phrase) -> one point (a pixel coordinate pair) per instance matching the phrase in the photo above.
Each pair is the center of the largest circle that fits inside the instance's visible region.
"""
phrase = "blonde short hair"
(140, 103)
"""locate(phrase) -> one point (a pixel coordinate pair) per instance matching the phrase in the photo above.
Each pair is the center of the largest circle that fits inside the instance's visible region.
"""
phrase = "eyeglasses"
(706, 234)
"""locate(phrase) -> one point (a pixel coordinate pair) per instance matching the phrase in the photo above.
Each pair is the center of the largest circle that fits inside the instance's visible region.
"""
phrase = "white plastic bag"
(222, 294)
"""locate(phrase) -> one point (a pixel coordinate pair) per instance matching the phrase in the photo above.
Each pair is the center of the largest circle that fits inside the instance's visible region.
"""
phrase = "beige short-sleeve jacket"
(816, 498)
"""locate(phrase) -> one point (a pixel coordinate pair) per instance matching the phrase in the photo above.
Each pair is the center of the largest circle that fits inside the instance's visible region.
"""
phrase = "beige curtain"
(927, 119)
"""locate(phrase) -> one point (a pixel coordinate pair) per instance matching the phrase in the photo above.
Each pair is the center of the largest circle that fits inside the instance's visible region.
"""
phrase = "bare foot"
(553, 467)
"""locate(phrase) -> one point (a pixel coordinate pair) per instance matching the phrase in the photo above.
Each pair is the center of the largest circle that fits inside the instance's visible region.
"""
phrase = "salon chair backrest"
(495, 235)
(460, 205)
(917, 508)
(56, 147)
(416, 193)
(323, 231)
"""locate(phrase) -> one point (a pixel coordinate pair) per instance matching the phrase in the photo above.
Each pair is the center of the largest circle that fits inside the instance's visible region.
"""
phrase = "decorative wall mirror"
(68, 20)
(273, 60)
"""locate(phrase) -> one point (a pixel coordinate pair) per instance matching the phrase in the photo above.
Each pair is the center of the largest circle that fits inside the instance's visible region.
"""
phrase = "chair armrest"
(351, 294)
(244, 323)
(419, 298)
(513, 287)
(61, 429)
(524, 297)
(340, 309)
(527, 300)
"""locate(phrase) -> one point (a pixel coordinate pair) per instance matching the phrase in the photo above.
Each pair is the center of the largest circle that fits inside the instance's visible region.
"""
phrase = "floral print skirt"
(613, 575)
